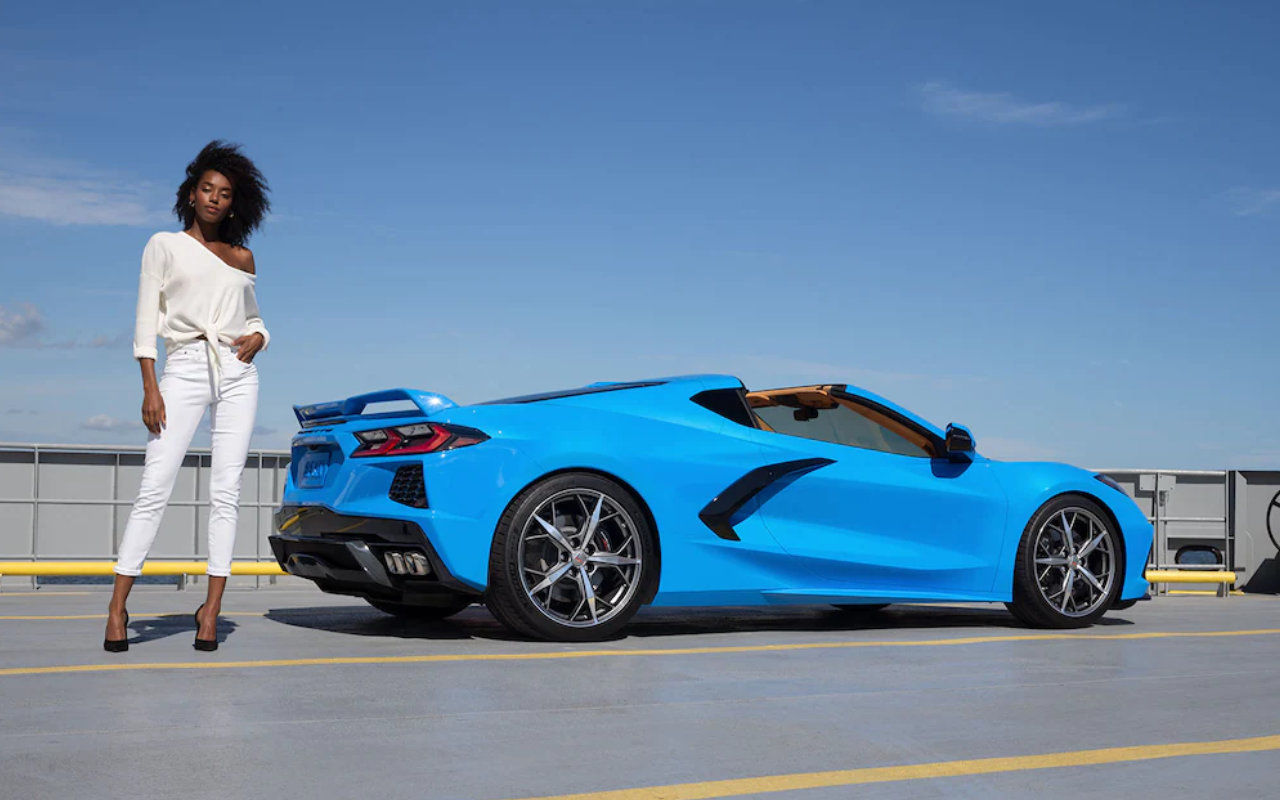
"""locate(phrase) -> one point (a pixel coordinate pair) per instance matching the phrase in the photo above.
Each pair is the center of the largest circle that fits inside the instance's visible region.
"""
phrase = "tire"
(1051, 579)
(1020, 613)
(1121, 605)
(542, 554)
(422, 613)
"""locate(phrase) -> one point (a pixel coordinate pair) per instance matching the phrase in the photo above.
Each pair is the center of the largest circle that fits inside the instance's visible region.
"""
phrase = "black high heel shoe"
(207, 645)
(118, 645)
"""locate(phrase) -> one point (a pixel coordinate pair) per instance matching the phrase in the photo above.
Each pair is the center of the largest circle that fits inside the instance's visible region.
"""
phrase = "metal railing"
(67, 480)
(1157, 487)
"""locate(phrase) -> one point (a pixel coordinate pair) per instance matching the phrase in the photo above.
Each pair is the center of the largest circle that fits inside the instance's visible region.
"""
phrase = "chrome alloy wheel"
(580, 558)
(1075, 562)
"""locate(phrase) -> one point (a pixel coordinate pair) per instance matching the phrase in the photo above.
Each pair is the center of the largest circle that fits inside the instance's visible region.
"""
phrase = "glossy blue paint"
(871, 527)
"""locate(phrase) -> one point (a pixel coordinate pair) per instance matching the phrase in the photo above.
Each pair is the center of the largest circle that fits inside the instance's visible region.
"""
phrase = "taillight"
(420, 437)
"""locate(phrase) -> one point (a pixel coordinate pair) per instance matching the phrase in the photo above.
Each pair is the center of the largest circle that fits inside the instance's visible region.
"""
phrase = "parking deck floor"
(318, 696)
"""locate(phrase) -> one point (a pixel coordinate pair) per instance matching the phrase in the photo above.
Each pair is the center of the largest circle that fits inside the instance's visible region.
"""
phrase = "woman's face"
(212, 197)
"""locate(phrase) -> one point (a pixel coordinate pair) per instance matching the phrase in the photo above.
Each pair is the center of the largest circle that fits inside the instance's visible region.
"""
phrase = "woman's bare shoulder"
(242, 258)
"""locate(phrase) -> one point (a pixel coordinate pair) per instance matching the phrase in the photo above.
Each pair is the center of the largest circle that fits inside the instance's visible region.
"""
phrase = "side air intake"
(407, 488)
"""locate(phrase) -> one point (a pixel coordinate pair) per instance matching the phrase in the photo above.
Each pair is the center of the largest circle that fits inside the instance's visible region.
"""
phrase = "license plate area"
(313, 468)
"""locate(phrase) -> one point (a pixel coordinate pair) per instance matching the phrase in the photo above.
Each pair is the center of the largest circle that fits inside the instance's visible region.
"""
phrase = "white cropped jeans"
(189, 385)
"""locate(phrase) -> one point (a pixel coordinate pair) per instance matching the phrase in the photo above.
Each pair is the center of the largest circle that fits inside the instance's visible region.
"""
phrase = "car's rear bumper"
(347, 554)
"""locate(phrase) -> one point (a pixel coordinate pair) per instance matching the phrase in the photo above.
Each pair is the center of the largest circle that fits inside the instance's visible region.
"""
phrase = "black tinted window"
(728, 403)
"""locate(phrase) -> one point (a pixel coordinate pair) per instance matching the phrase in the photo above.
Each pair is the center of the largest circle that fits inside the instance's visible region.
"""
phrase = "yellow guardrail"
(1189, 576)
(48, 568)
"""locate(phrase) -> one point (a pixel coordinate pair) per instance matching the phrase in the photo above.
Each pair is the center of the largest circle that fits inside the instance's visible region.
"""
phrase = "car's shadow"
(476, 622)
(675, 622)
(149, 629)
(362, 620)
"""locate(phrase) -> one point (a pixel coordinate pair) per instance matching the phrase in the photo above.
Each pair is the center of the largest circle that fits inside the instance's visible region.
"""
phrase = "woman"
(196, 292)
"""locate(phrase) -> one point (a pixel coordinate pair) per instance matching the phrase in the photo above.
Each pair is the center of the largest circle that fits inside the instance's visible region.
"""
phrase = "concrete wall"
(1255, 522)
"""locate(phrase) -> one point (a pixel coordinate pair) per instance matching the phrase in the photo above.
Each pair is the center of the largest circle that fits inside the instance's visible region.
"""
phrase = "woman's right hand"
(153, 410)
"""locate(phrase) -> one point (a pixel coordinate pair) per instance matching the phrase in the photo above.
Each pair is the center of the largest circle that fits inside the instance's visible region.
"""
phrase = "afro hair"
(249, 203)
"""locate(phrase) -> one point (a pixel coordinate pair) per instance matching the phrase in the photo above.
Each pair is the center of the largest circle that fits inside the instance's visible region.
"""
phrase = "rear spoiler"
(336, 411)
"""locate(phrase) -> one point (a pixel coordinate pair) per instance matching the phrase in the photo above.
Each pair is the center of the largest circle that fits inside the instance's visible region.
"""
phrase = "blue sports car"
(564, 512)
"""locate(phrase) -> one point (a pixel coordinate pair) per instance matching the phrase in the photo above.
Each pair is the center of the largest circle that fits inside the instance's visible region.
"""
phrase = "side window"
(728, 403)
(821, 417)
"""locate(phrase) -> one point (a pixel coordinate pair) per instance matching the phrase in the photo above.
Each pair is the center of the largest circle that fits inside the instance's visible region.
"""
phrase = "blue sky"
(1058, 225)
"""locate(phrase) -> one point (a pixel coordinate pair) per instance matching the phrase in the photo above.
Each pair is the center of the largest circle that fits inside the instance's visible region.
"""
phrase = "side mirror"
(959, 441)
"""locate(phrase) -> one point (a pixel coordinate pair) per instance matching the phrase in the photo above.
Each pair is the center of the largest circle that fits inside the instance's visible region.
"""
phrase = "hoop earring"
(231, 215)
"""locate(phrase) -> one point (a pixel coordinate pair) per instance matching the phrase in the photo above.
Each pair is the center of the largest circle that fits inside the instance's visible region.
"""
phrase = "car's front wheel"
(570, 560)
(1067, 572)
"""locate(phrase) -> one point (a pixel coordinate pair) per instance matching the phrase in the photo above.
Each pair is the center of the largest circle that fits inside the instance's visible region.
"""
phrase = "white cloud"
(1247, 201)
(105, 422)
(1003, 108)
(20, 326)
(25, 327)
(71, 192)
(73, 201)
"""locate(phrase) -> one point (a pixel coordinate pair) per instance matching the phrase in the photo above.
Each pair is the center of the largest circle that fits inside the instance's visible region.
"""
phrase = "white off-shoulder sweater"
(185, 292)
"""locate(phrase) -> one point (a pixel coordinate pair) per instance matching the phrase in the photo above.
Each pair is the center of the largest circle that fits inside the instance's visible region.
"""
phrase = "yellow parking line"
(672, 651)
(936, 769)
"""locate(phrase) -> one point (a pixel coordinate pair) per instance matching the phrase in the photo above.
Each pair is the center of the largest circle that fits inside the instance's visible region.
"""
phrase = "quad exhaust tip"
(408, 563)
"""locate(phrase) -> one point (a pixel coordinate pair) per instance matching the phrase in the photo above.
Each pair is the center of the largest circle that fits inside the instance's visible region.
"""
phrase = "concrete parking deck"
(321, 696)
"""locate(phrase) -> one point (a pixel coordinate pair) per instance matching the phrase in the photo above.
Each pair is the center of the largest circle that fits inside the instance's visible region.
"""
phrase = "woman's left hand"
(248, 345)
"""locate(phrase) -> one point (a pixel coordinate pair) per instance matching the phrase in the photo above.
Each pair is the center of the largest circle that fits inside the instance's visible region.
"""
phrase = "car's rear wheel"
(570, 560)
(447, 608)
(1067, 572)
